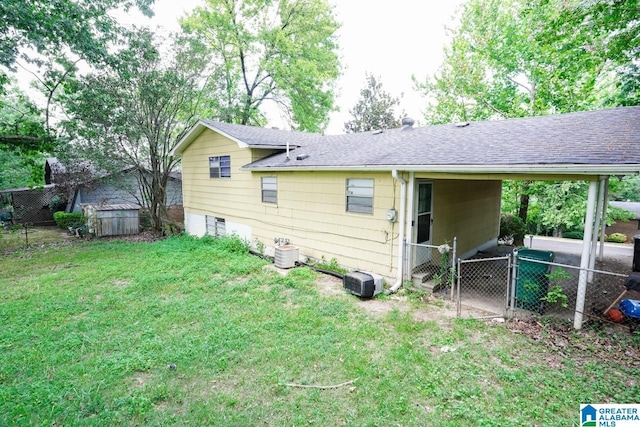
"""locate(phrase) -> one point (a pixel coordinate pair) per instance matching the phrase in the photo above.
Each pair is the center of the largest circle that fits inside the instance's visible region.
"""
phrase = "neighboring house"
(119, 188)
(357, 197)
(630, 227)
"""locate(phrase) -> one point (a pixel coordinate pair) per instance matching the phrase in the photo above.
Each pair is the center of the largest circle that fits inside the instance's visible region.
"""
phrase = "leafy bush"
(233, 244)
(617, 238)
(511, 225)
(57, 204)
(573, 235)
(69, 219)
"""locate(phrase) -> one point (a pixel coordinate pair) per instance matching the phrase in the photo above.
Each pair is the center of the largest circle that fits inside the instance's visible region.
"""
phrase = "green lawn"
(90, 330)
(16, 238)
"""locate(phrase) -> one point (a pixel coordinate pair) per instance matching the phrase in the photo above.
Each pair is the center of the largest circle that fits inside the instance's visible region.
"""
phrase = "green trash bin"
(532, 284)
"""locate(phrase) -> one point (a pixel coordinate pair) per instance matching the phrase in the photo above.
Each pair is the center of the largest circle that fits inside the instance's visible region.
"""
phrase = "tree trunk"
(524, 207)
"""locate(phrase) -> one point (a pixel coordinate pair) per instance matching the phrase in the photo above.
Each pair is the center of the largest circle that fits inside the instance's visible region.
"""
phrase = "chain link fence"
(432, 268)
(523, 286)
(483, 286)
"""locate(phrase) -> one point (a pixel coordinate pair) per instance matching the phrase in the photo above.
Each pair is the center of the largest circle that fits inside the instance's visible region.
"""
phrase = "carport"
(587, 146)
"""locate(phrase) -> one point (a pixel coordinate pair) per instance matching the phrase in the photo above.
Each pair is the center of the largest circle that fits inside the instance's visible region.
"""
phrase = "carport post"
(584, 259)
(594, 238)
(605, 198)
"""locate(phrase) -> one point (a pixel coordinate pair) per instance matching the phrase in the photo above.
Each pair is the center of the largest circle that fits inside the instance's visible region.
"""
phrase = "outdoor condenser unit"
(286, 256)
(362, 284)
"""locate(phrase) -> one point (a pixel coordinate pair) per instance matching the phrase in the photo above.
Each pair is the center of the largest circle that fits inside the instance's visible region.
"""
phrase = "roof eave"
(560, 169)
(195, 131)
(202, 125)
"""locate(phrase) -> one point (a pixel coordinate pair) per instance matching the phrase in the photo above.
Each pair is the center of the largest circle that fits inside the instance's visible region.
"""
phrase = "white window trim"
(223, 171)
(360, 188)
(274, 184)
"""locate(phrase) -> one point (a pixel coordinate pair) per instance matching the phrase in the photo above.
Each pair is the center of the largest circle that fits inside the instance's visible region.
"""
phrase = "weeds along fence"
(520, 287)
(432, 268)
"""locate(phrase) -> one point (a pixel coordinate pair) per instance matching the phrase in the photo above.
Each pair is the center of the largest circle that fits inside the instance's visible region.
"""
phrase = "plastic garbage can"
(532, 283)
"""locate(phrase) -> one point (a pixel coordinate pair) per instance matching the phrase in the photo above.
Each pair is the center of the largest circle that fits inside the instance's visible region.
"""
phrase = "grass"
(89, 331)
(15, 238)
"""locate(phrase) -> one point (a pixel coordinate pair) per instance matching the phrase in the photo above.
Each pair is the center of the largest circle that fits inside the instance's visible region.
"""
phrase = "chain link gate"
(432, 268)
(483, 287)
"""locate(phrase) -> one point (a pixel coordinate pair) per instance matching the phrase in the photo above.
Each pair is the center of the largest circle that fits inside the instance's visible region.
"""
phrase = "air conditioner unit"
(363, 284)
(286, 256)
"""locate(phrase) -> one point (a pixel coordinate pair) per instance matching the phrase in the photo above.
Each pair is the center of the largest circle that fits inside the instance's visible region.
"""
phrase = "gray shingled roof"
(604, 137)
(257, 136)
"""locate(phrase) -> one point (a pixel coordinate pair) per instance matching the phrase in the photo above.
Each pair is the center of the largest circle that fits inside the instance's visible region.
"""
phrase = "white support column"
(596, 230)
(408, 234)
(605, 197)
(584, 260)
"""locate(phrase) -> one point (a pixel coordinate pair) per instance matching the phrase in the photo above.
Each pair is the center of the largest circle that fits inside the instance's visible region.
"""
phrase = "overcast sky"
(391, 39)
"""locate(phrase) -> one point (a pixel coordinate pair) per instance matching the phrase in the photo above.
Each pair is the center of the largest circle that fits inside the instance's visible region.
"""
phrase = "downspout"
(401, 227)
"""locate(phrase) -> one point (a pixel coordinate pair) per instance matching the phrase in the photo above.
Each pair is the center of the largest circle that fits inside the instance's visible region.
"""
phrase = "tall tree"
(517, 58)
(83, 27)
(22, 125)
(374, 109)
(133, 113)
(48, 39)
(270, 50)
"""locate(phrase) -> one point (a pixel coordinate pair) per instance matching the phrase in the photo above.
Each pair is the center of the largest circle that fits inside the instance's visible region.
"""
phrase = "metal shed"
(113, 220)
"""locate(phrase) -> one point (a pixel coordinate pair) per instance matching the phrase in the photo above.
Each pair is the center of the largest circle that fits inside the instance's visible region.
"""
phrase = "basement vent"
(286, 256)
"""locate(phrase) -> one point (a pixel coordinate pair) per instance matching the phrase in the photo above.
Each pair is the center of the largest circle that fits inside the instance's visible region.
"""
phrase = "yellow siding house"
(358, 197)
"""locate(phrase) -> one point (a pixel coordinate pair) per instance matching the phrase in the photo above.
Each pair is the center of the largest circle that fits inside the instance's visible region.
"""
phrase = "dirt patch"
(584, 345)
(143, 236)
(423, 308)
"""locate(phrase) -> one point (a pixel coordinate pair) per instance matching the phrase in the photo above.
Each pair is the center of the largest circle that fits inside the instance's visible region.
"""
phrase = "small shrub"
(65, 220)
(233, 244)
(331, 265)
(579, 235)
(512, 226)
(617, 238)
(57, 204)
(171, 228)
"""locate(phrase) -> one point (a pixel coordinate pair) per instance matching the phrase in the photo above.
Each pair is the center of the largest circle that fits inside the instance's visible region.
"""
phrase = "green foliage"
(512, 226)
(625, 189)
(520, 58)
(133, 113)
(233, 244)
(266, 50)
(556, 292)
(223, 324)
(259, 246)
(49, 28)
(579, 235)
(57, 204)
(65, 220)
(374, 110)
(331, 265)
(23, 130)
(617, 238)
(21, 169)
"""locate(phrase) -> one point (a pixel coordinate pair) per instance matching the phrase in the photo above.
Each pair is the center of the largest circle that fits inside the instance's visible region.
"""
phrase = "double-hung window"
(360, 195)
(220, 167)
(269, 189)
